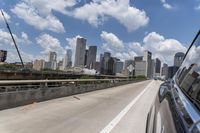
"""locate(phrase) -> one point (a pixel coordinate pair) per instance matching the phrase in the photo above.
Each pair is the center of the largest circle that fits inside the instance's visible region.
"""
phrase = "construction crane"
(12, 38)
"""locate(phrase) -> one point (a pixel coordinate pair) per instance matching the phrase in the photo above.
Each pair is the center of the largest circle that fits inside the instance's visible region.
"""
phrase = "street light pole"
(12, 38)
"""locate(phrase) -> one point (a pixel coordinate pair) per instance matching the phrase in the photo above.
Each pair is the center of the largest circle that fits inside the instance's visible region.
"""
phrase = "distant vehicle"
(177, 106)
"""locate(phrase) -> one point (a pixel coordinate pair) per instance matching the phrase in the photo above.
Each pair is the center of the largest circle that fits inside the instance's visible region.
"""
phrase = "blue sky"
(124, 28)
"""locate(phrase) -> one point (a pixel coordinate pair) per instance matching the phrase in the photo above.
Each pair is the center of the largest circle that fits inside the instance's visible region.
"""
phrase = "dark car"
(177, 105)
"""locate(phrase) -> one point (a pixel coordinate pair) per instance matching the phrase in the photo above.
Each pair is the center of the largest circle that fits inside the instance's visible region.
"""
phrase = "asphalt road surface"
(120, 109)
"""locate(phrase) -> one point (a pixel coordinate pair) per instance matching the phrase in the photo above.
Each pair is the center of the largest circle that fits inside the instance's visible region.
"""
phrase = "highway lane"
(120, 109)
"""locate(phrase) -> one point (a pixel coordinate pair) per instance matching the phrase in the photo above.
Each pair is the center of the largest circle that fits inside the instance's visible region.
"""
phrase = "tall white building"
(144, 64)
(67, 61)
(140, 68)
(52, 61)
(80, 52)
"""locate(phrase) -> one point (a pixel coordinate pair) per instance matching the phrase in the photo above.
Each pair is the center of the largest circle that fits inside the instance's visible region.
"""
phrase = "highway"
(121, 109)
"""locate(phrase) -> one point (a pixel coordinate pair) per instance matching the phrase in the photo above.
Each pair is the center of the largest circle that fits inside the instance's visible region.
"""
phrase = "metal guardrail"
(11, 82)
(22, 85)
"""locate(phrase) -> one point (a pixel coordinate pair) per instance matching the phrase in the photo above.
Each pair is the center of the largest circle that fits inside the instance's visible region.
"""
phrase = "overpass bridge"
(110, 105)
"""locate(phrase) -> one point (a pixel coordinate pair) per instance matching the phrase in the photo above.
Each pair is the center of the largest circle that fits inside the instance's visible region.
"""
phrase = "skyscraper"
(107, 64)
(157, 67)
(153, 67)
(119, 66)
(147, 58)
(165, 70)
(80, 52)
(178, 58)
(52, 62)
(67, 61)
(52, 56)
(91, 58)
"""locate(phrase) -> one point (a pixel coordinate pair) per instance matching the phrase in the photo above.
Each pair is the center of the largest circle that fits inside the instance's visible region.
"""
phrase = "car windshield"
(188, 77)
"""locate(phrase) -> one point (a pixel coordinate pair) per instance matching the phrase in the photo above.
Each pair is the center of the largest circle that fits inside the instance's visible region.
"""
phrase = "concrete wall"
(18, 98)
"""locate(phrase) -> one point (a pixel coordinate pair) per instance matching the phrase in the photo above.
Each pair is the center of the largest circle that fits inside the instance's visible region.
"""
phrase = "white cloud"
(7, 16)
(136, 46)
(125, 55)
(50, 43)
(25, 38)
(46, 7)
(5, 38)
(166, 5)
(12, 56)
(112, 42)
(160, 47)
(96, 12)
(118, 48)
(31, 15)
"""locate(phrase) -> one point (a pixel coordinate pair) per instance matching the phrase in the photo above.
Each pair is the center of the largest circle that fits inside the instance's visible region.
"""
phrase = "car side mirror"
(164, 88)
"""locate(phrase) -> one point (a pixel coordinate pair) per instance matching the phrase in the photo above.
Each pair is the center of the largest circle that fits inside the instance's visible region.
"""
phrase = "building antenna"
(12, 38)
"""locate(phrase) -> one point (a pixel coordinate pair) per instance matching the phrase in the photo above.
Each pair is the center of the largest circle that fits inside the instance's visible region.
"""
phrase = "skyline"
(123, 36)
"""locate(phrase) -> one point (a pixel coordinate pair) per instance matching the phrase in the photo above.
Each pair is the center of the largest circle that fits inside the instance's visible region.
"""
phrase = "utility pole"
(12, 38)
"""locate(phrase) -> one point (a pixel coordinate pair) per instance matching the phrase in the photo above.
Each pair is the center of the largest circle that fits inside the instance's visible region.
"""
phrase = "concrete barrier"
(24, 97)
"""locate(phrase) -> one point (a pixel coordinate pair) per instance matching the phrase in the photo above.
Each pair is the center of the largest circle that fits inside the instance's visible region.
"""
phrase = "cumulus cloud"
(96, 12)
(31, 15)
(166, 5)
(46, 7)
(161, 47)
(5, 38)
(25, 38)
(137, 47)
(125, 55)
(112, 42)
(50, 43)
(12, 56)
(116, 47)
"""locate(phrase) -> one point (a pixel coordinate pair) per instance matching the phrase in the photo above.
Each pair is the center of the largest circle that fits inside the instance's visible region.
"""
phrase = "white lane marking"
(117, 119)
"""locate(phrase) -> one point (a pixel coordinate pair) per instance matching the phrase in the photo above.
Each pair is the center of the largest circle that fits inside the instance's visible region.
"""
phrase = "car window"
(188, 76)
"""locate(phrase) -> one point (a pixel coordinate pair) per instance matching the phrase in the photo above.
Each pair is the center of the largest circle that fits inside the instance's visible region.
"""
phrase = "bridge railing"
(21, 85)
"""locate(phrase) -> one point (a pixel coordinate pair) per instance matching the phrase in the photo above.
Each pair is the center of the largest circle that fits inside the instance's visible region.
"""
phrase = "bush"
(10, 67)
(140, 77)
